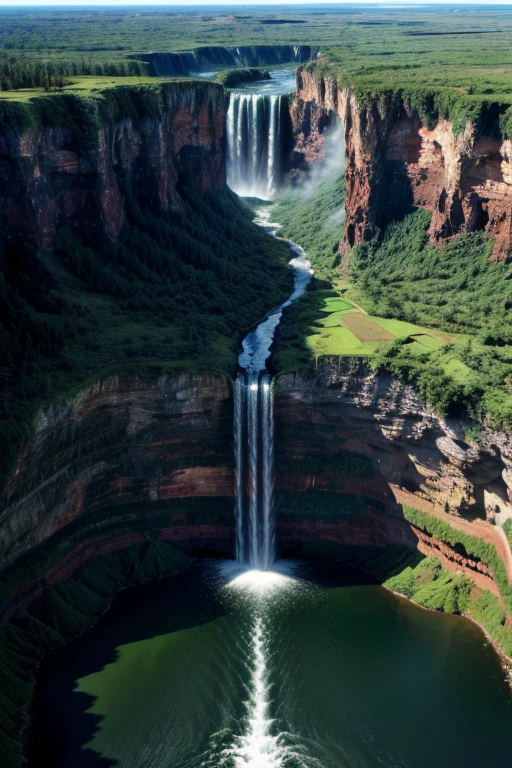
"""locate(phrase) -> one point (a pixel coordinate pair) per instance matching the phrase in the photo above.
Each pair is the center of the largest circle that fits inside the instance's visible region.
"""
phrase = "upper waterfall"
(257, 124)
(254, 151)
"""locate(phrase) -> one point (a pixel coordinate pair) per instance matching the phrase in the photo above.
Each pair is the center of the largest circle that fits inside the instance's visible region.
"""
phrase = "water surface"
(314, 668)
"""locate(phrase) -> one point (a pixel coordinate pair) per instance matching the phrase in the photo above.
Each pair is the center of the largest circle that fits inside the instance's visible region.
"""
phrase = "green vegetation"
(439, 317)
(468, 546)
(86, 103)
(431, 586)
(443, 62)
(64, 611)
(424, 581)
(177, 289)
(314, 218)
(54, 75)
(457, 289)
(130, 518)
(234, 77)
(507, 527)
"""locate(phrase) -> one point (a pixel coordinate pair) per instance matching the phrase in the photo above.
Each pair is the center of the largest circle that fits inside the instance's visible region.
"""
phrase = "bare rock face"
(413, 456)
(394, 160)
(51, 177)
(150, 448)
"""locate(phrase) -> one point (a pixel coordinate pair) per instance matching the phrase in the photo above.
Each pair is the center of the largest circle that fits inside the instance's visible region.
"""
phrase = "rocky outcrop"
(137, 146)
(395, 160)
(367, 438)
(206, 58)
(147, 448)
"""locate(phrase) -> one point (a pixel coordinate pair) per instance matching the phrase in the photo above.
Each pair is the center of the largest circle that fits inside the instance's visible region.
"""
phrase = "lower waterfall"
(254, 426)
(254, 451)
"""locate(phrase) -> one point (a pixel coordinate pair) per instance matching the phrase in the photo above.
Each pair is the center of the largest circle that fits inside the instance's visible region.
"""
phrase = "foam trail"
(257, 747)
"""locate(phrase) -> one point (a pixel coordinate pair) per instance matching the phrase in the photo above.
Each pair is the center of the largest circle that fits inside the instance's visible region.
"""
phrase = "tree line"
(52, 75)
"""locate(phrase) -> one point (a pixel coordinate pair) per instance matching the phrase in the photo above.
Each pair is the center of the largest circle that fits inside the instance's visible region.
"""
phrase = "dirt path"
(480, 528)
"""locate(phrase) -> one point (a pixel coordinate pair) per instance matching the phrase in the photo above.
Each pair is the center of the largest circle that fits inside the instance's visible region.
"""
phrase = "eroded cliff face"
(394, 160)
(353, 447)
(153, 450)
(51, 177)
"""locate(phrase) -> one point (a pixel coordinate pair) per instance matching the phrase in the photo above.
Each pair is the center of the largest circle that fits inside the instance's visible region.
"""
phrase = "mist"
(329, 166)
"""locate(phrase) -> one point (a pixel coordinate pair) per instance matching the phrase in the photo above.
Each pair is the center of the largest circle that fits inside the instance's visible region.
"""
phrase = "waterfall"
(254, 134)
(254, 426)
(254, 456)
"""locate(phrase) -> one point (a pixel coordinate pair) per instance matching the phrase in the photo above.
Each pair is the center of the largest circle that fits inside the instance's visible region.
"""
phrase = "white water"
(254, 140)
(256, 575)
(254, 143)
(261, 743)
(258, 747)
(254, 426)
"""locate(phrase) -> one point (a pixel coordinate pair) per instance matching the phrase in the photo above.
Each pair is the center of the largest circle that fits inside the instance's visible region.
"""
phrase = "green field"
(330, 337)
(448, 309)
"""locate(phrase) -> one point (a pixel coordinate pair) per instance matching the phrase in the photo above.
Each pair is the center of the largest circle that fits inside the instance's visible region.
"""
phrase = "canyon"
(146, 460)
(156, 454)
(134, 449)
(396, 158)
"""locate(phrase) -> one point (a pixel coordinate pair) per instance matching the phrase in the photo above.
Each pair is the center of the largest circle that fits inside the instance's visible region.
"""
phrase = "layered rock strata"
(369, 442)
(150, 449)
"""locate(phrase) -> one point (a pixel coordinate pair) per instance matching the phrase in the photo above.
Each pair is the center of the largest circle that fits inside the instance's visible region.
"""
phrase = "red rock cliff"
(51, 176)
(394, 160)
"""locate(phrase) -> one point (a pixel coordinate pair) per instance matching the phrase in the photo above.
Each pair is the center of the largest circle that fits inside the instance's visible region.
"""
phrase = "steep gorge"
(139, 457)
(78, 166)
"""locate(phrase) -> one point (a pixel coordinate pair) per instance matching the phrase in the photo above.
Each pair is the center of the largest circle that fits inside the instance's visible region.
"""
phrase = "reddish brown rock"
(49, 178)
(394, 160)
(122, 450)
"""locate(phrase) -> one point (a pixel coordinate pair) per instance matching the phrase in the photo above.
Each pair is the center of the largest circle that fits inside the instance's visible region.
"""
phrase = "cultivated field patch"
(365, 328)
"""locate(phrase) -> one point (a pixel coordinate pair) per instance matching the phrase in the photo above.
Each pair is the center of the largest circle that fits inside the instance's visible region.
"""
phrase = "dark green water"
(322, 670)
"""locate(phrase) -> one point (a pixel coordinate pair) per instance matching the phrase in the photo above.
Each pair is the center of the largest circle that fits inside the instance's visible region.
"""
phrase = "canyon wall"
(132, 461)
(84, 164)
(149, 451)
(155, 452)
(395, 160)
(354, 447)
(206, 58)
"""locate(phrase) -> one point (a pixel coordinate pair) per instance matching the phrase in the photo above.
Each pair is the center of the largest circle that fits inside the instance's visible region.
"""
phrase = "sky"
(381, 4)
